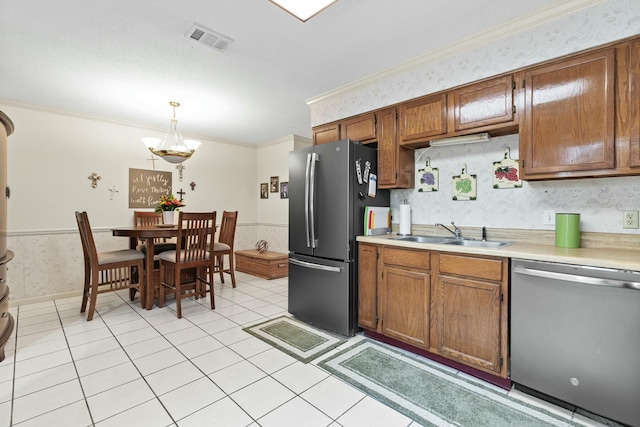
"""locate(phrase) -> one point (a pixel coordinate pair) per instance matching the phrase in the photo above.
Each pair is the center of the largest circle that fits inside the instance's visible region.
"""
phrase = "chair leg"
(178, 293)
(211, 296)
(232, 269)
(221, 267)
(93, 296)
(87, 286)
(161, 287)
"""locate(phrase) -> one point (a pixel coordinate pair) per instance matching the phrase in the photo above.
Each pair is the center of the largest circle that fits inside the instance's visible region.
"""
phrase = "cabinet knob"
(7, 192)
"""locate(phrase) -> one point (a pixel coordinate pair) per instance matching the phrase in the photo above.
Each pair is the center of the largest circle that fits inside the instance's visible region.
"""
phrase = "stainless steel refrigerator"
(328, 191)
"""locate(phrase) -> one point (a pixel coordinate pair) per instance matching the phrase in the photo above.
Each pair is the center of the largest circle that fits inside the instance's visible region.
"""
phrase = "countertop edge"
(623, 259)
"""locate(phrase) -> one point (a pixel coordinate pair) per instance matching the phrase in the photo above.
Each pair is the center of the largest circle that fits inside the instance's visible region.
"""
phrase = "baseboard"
(26, 301)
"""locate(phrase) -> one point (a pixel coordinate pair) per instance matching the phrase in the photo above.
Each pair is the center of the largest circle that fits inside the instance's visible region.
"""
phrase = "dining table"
(147, 234)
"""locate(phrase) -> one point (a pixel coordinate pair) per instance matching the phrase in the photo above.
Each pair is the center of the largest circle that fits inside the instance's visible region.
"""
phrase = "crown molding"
(477, 40)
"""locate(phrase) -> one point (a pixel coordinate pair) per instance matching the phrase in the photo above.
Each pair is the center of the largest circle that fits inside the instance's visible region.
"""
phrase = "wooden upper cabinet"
(569, 118)
(395, 163)
(422, 119)
(361, 128)
(482, 104)
(634, 107)
(326, 133)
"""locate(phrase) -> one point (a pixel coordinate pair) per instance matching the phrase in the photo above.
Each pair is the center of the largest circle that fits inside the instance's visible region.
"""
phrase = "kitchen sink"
(425, 239)
(492, 244)
(442, 240)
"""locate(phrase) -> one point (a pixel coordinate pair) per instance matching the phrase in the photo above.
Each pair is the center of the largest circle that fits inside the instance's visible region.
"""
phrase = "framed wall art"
(284, 190)
(264, 190)
(274, 184)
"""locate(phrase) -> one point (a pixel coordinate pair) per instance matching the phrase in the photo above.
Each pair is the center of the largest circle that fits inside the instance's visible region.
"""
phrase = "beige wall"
(50, 156)
(273, 213)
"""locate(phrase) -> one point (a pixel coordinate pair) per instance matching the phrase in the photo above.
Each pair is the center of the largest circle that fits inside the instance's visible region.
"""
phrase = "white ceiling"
(126, 59)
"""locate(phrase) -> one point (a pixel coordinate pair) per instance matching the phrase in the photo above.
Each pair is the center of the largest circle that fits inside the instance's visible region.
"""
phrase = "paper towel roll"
(405, 220)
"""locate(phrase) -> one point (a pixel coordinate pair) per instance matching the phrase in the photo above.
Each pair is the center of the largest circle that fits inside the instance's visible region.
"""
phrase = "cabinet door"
(361, 128)
(569, 116)
(326, 133)
(395, 163)
(367, 286)
(634, 100)
(405, 305)
(485, 103)
(423, 119)
(469, 323)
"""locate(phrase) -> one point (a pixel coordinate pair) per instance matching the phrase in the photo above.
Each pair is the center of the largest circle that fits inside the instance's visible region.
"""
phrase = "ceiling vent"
(209, 38)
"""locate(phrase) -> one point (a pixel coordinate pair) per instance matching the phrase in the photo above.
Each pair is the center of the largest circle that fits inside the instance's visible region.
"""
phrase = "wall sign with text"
(146, 187)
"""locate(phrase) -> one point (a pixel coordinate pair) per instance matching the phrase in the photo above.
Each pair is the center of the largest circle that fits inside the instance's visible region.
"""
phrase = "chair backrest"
(228, 228)
(193, 243)
(148, 218)
(86, 236)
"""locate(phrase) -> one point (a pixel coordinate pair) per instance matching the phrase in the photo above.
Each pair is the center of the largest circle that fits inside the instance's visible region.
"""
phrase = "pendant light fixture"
(172, 148)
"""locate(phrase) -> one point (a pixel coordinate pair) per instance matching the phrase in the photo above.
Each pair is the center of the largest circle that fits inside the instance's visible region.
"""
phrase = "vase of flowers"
(168, 205)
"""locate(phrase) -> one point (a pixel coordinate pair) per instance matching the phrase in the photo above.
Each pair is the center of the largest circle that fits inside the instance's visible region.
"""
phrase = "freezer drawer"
(575, 336)
(321, 293)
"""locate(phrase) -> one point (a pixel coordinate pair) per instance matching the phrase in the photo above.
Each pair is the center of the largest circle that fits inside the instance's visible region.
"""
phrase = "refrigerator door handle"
(315, 266)
(307, 174)
(312, 189)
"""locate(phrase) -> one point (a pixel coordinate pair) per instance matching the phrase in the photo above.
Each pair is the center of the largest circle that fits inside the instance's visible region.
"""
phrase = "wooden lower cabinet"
(404, 303)
(470, 310)
(452, 305)
(367, 286)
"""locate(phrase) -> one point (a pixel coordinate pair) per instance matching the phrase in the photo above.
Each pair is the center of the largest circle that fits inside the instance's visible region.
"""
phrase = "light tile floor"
(134, 367)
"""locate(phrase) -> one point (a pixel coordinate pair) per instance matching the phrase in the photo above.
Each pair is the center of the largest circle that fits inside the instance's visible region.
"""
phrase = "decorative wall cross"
(180, 168)
(94, 177)
(181, 193)
(153, 160)
(113, 190)
(193, 185)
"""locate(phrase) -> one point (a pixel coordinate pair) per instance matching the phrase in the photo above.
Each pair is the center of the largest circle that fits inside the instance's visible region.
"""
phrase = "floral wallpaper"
(599, 201)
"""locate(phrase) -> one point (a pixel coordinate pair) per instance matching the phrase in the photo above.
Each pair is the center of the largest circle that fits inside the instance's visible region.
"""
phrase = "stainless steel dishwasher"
(575, 336)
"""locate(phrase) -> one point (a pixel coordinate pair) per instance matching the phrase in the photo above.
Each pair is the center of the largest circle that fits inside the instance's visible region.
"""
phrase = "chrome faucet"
(456, 230)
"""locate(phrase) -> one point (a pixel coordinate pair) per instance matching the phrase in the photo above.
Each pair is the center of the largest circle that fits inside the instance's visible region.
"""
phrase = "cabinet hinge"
(513, 84)
(514, 109)
(523, 83)
(522, 164)
(501, 297)
(500, 362)
(376, 320)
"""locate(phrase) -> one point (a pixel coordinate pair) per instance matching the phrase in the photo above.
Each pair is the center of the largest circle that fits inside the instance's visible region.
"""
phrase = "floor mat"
(429, 395)
(295, 338)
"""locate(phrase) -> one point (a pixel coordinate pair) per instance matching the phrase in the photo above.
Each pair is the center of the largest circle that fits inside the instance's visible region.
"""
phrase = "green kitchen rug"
(295, 338)
(429, 395)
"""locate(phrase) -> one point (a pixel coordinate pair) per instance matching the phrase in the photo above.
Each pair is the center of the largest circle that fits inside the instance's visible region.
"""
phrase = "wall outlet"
(549, 218)
(630, 219)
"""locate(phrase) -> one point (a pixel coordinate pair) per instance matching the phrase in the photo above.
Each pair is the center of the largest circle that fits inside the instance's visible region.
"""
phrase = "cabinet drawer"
(407, 258)
(478, 268)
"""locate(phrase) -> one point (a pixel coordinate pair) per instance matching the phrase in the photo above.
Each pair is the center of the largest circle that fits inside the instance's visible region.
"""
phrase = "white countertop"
(623, 259)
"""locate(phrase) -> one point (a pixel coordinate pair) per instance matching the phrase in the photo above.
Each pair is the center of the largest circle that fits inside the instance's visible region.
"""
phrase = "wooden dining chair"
(194, 251)
(106, 271)
(152, 218)
(224, 245)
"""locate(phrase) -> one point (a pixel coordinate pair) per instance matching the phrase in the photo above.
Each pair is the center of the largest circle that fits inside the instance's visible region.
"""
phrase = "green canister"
(568, 230)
